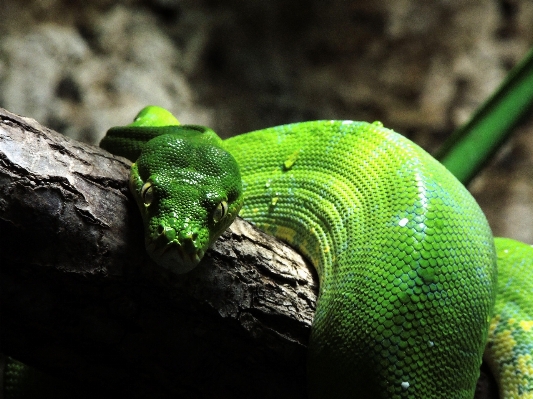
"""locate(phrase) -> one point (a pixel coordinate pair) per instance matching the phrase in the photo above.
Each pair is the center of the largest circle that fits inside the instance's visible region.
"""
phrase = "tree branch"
(81, 299)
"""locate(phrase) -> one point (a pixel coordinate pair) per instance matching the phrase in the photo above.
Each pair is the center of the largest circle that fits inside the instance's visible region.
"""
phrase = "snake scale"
(409, 299)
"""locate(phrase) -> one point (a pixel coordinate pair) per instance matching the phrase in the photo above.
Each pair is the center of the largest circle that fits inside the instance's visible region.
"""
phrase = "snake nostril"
(166, 232)
(194, 236)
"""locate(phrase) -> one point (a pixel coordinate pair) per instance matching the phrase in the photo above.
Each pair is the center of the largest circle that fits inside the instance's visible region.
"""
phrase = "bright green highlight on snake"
(405, 257)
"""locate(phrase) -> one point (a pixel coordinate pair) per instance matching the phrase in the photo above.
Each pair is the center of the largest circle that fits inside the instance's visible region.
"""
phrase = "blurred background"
(420, 67)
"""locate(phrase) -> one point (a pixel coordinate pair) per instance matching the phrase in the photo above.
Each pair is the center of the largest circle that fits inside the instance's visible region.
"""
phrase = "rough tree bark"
(79, 298)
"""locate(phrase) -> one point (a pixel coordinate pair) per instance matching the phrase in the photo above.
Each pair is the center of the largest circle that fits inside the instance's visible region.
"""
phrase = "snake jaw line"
(174, 257)
(179, 251)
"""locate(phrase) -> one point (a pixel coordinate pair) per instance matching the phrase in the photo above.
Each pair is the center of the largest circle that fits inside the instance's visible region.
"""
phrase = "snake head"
(189, 191)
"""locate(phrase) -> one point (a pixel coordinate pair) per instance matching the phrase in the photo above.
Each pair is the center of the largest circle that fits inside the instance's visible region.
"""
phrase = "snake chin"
(174, 257)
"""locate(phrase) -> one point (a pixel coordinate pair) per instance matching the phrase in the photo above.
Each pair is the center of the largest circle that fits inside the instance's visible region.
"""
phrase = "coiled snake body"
(405, 257)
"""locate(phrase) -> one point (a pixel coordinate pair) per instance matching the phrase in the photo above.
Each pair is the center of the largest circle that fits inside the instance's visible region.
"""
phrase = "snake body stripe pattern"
(405, 257)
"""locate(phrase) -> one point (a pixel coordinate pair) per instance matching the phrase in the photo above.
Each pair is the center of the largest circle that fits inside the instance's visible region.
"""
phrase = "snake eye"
(147, 193)
(220, 211)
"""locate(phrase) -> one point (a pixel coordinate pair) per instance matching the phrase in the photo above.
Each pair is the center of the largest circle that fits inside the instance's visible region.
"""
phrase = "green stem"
(473, 144)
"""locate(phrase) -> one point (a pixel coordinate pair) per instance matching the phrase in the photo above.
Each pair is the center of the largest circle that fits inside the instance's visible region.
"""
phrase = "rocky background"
(420, 67)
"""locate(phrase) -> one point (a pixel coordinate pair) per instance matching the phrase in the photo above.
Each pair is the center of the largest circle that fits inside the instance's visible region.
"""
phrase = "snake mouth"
(175, 257)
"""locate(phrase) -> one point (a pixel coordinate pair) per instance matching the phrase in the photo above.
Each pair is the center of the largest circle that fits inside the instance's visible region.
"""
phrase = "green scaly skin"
(406, 259)
(510, 344)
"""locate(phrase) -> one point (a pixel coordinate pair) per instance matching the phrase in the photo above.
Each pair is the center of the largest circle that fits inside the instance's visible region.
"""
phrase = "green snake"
(408, 302)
